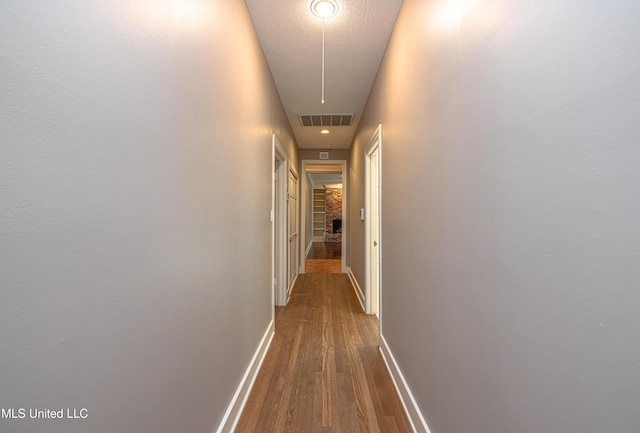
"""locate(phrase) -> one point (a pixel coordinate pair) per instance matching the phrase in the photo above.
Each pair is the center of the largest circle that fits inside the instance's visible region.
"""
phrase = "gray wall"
(511, 209)
(135, 195)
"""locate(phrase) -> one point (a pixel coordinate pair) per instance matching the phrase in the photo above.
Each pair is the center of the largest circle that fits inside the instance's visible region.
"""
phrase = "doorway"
(293, 210)
(325, 254)
(323, 220)
(279, 227)
(372, 223)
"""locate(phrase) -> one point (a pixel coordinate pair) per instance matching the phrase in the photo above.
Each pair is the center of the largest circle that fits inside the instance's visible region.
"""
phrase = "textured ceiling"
(291, 37)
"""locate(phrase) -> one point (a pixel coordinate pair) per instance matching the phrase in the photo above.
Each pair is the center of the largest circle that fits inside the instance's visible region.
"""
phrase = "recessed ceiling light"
(324, 8)
(325, 131)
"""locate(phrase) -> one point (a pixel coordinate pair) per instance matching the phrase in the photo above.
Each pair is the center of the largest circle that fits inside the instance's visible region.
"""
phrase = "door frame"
(374, 143)
(279, 230)
(293, 172)
(306, 203)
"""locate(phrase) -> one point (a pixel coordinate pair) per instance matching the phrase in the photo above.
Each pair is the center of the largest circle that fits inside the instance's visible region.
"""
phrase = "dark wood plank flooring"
(323, 372)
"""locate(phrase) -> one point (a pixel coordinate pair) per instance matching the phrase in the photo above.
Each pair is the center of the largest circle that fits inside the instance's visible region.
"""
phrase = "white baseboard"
(290, 289)
(356, 287)
(416, 419)
(232, 415)
(306, 252)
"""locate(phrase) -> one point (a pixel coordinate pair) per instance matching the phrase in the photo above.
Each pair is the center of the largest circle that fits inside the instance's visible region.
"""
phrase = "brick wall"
(334, 211)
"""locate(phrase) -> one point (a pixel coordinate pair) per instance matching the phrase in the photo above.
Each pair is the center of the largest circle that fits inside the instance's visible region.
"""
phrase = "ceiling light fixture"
(324, 9)
(325, 131)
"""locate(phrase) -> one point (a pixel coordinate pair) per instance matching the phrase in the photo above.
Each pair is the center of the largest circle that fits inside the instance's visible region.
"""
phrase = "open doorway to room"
(325, 255)
(372, 223)
(324, 206)
(280, 257)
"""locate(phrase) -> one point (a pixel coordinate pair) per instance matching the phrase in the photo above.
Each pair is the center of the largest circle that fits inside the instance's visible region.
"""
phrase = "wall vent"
(331, 119)
(324, 155)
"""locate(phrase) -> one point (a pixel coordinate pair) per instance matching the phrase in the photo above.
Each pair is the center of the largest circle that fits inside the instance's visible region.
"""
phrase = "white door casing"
(309, 200)
(372, 224)
(279, 229)
(294, 226)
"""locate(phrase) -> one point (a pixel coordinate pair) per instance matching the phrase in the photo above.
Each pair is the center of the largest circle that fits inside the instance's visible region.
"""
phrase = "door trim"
(279, 231)
(307, 200)
(374, 143)
(293, 268)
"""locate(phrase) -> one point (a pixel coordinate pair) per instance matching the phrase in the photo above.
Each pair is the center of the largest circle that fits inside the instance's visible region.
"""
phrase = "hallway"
(143, 227)
(323, 371)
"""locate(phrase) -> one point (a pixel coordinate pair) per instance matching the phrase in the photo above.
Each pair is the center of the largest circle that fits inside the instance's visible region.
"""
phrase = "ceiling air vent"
(331, 119)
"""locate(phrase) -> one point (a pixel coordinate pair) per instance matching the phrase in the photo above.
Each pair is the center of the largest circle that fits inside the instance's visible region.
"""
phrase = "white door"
(279, 226)
(293, 229)
(374, 232)
(274, 221)
(372, 225)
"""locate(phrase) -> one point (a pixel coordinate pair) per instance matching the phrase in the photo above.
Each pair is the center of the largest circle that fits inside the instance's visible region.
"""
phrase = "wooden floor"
(323, 372)
(323, 266)
(324, 258)
(325, 250)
